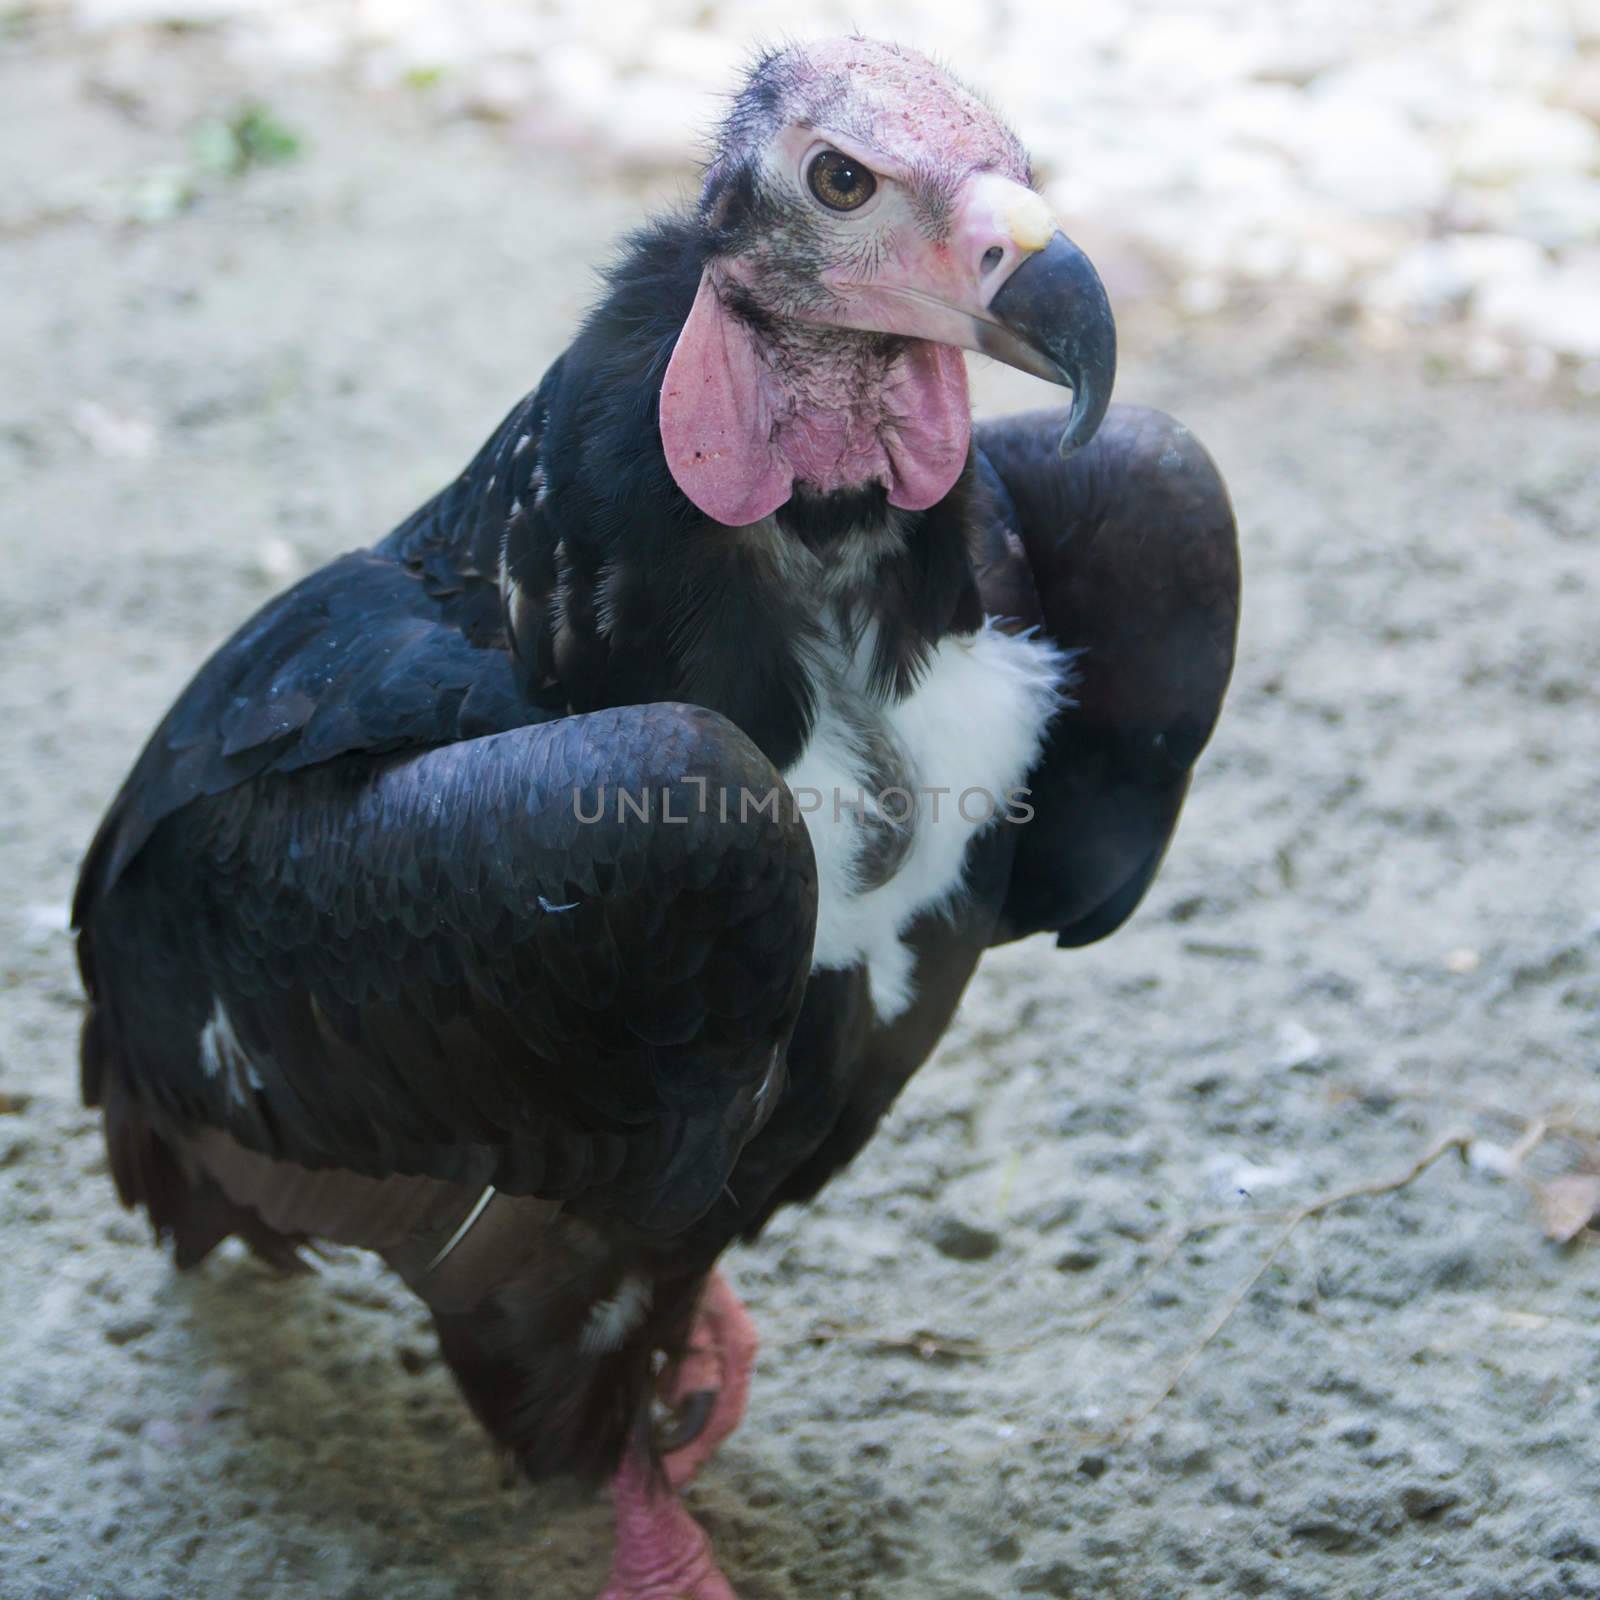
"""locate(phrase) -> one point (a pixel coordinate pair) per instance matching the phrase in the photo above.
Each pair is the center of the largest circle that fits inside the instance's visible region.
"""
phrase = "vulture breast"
(894, 791)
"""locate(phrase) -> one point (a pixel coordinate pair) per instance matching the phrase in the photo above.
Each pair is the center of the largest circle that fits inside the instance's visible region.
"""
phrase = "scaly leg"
(662, 1553)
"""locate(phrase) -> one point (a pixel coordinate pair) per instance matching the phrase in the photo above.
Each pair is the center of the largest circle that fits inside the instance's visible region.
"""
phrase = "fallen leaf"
(1568, 1205)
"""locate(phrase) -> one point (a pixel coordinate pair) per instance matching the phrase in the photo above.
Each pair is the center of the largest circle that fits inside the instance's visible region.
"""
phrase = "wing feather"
(1129, 551)
(405, 980)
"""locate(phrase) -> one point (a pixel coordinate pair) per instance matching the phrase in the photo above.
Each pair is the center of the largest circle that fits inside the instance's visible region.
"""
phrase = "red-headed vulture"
(544, 895)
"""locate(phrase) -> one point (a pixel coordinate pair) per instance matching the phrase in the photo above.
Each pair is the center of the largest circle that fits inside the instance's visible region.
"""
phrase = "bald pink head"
(908, 110)
(862, 213)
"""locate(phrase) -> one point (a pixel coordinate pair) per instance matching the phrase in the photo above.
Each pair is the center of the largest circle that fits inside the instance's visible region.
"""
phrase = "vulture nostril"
(991, 259)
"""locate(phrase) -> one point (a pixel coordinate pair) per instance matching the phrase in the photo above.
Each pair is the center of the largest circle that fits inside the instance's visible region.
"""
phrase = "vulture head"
(866, 218)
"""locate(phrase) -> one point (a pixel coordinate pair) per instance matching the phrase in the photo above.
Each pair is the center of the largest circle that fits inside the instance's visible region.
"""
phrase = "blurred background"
(1410, 164)
(271, 272)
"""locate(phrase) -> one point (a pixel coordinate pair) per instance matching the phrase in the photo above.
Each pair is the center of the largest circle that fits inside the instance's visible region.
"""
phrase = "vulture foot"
(709, 1388)
(686, 1421)
(662, 1553)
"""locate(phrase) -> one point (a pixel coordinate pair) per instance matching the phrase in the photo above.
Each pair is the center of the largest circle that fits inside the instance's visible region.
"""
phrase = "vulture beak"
(1051, 317)
(1006, 282)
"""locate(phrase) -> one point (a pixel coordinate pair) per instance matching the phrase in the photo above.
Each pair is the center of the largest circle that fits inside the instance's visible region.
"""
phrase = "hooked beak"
(1051, 317)
(1006, 283)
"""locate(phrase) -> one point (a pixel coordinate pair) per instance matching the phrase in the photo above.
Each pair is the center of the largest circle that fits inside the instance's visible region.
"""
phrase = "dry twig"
(929, 1345)
(1535, 1131)
(1458, 1140)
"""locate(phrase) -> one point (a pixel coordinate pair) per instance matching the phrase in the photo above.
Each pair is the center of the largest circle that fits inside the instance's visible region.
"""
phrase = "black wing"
(343, 908)
(357, 657)
(1133, 554)
(472, 963)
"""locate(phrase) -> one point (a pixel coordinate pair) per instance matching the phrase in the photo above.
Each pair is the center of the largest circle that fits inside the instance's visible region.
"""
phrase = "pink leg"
(720, 1358)
(662, 1553)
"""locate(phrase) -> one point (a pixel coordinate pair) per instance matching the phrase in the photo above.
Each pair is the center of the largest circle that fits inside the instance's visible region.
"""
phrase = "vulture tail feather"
(185, 1205)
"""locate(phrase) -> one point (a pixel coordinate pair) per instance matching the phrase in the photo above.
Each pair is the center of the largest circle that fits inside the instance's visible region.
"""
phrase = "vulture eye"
(840, 183)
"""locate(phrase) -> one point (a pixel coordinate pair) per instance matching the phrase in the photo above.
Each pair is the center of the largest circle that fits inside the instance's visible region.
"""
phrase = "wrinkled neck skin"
(847, 408)
(825, 392)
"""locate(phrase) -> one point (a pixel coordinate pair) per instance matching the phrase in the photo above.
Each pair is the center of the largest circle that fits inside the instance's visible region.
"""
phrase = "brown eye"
(838, 182)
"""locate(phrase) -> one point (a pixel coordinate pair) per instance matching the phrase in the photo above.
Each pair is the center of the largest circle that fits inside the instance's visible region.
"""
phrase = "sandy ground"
(1381, 922)
(1432, 169)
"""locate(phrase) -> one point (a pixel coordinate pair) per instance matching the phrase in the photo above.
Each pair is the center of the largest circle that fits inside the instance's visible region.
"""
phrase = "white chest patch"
(893, 793)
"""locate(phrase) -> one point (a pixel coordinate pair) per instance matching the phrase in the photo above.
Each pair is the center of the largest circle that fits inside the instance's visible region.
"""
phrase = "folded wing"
(1132, 552)
(357, 912)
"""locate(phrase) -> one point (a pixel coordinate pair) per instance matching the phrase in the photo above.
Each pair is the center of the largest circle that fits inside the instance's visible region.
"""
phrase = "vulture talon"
(686, 1422)
(722, 1347)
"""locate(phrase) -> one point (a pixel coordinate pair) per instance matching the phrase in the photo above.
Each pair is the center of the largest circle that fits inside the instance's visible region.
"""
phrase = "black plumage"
(375, 954)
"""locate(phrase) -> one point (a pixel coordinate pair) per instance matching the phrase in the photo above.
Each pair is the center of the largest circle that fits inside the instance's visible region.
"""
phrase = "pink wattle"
(736, 440)
(932, 430)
